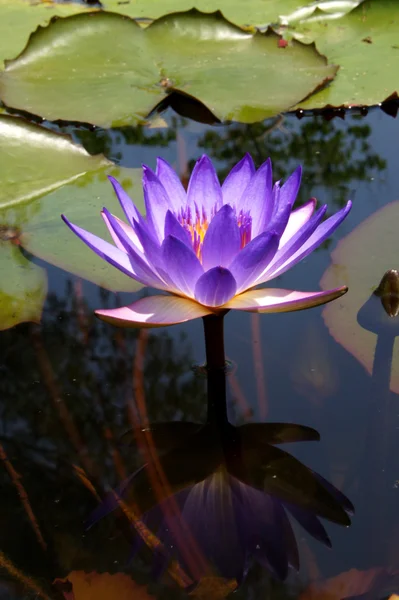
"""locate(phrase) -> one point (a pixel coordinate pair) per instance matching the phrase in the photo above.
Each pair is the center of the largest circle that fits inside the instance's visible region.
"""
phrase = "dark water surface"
(71, 386)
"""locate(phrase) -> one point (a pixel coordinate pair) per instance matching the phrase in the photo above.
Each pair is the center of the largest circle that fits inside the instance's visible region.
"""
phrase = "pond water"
(73, 385)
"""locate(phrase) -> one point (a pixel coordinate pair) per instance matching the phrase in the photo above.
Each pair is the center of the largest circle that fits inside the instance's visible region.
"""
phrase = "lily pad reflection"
(359, 261)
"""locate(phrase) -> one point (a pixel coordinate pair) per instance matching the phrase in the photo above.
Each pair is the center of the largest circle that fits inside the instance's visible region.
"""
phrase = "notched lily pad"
(105, 69)
(364, 43)
(360, 261)
(18, 18)
(257, 13)
(36, 164)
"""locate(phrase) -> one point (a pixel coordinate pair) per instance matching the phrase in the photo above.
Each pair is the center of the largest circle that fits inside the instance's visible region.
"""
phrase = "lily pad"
(256, 13)
(359, 261)
(365, 43)
(35, 162)
(23, 287)
(18, 18)
(45, 235)
(105, 69)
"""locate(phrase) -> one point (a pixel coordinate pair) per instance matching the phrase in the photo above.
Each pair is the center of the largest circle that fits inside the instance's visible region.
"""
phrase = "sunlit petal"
(154, 311)
(128, 230)
(267, 300)
(297, 219)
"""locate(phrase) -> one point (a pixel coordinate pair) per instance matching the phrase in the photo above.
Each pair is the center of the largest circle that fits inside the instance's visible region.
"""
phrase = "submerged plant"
(211, 246)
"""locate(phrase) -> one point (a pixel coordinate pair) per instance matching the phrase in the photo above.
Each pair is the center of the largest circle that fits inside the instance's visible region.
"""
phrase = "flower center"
(196, 223)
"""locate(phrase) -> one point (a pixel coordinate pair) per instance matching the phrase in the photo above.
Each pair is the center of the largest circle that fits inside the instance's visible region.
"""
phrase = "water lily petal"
(173, 227)
(204, 189)
(257, 198)
(125, 201)
(222, 240)
(154, 311)
(181, 264)
(215, 287)
(253, 259)
(284, 198)
(172, 184)
(297, 219)
(237, 181)
(114, 256)
(289, 190)
(322, 233)
(144, 266)
(268, 300)
(292, 245)
(157, 202)
(128, 230)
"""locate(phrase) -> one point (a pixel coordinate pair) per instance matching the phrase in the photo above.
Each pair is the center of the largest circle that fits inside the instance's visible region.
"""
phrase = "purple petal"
(204, 188)
(157, 202)
(222, 240)
(142, 264)
(322, 233)
(253, 260)
(285, 197)
(293, 244)
(173, 227)
(128, 229)
(215, 287)
(237, 181)
(298, 218)
(114, 256)
(172, 184)
(151, 248)
(125, 201)
(154, 311)
(257, 198)
(267, 300)
(181, 265)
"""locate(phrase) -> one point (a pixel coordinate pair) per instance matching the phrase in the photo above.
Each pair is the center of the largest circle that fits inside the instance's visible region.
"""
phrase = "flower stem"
(216, 369)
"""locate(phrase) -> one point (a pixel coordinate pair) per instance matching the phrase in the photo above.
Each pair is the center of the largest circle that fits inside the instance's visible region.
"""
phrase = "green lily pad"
(35, 160)
(23, 287)
(18, 18)
(103, 68)
(255, 13)
(365, 43)
(36, 164)
(45, 235)
(359, 261)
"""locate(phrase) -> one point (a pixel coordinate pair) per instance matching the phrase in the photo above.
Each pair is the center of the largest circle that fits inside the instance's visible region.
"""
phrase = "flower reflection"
(229, 497)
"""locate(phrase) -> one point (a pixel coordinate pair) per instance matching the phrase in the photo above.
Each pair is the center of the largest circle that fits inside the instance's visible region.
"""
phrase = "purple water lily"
(208, 247)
